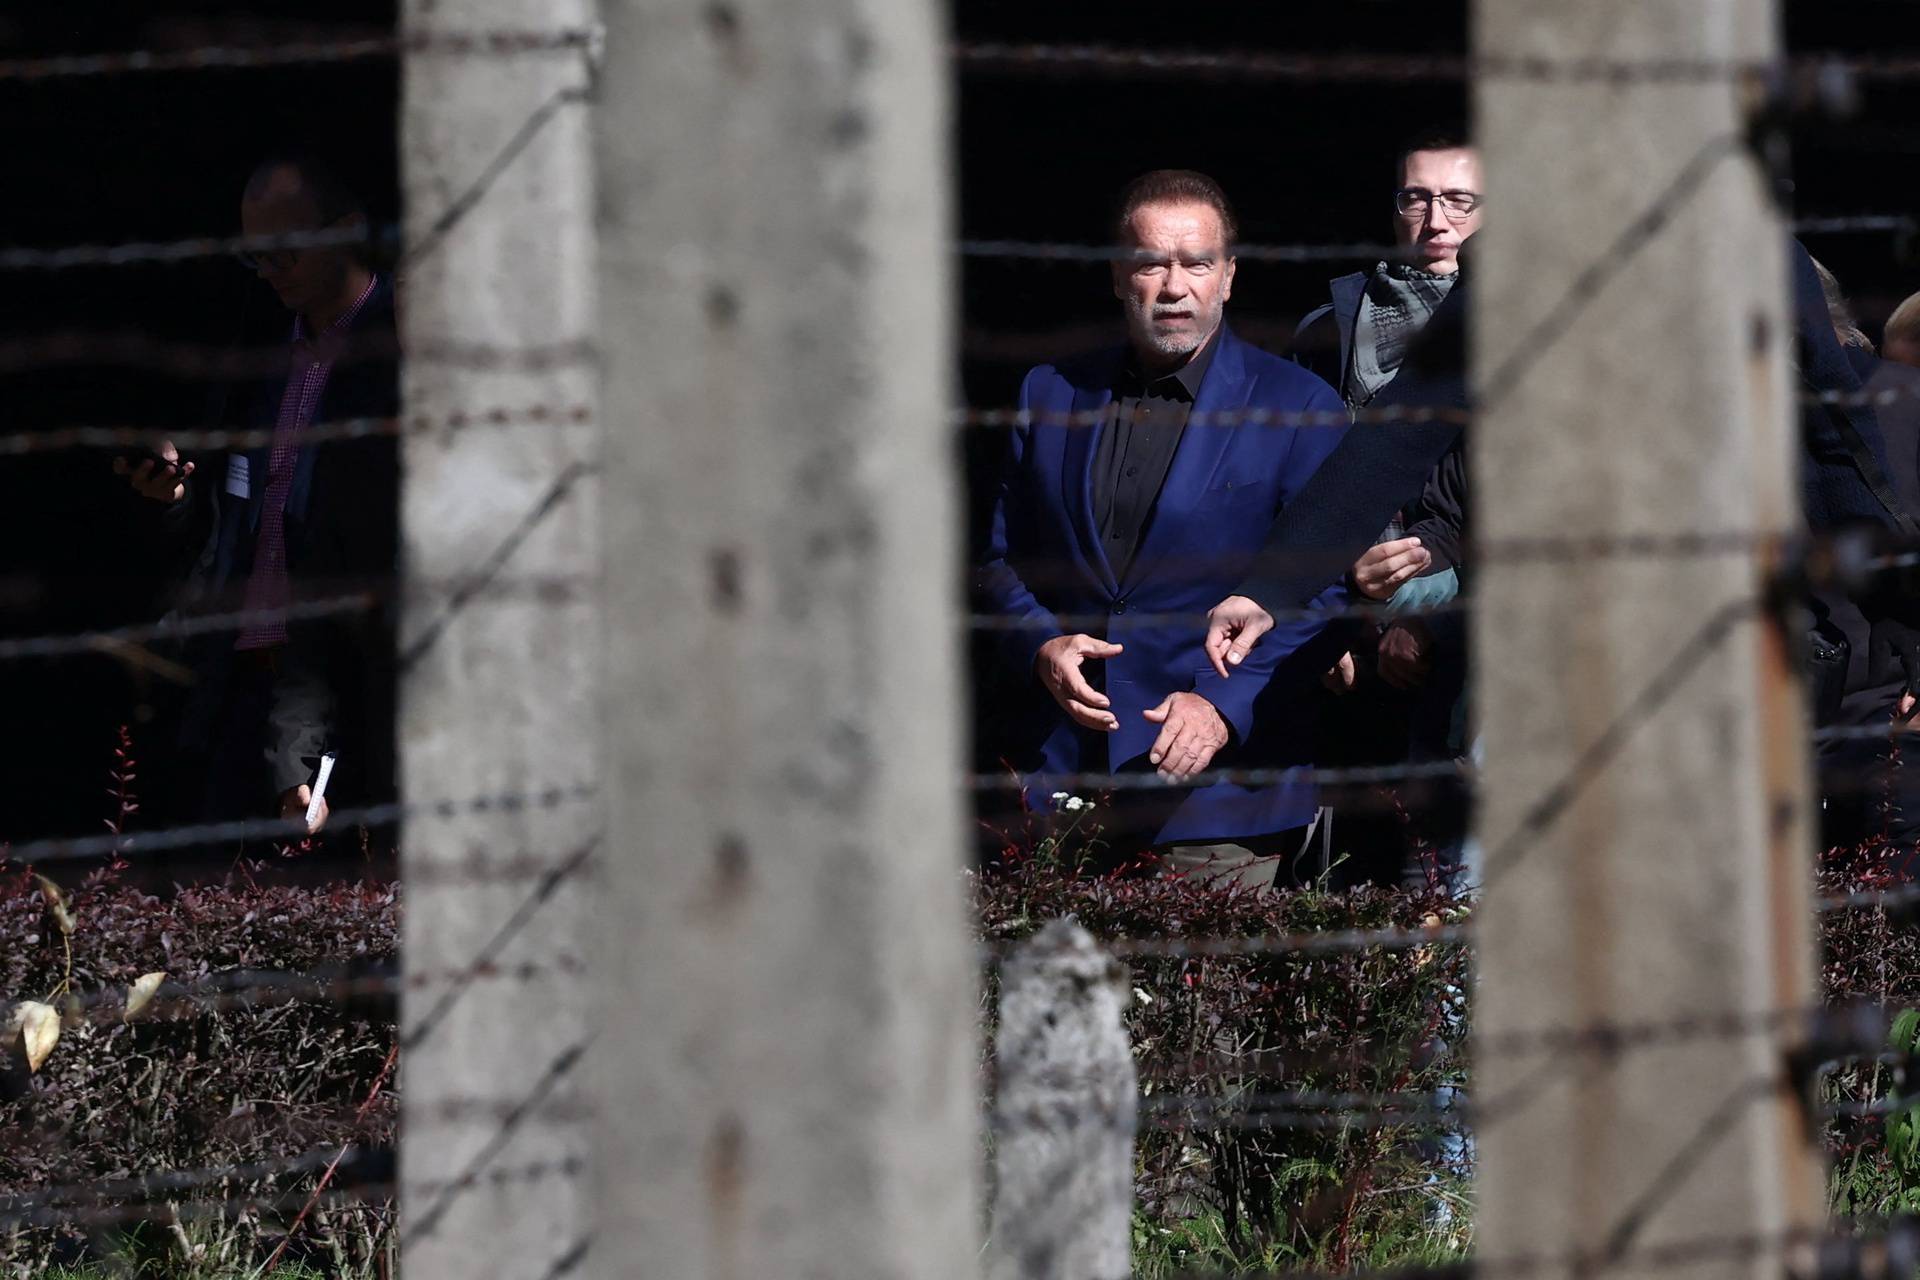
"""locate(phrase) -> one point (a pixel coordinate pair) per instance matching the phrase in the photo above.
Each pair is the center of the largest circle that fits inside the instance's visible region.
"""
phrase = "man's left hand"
(1191, 732)
(1406, 654)
(1234, 626)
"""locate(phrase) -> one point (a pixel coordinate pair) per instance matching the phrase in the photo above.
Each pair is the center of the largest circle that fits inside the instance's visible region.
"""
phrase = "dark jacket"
(1442, 523)
(333, 683)
(1323, 343)
(1378, 469)
(1874, 680)
(1843, 446)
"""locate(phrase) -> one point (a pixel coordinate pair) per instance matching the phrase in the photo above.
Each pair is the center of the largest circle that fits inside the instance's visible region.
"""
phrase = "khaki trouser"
(1254, 863)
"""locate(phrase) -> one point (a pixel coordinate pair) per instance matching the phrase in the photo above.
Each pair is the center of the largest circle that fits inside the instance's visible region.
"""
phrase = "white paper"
(320, 787)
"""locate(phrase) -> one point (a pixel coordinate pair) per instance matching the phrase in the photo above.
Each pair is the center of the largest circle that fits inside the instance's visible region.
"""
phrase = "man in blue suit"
(1135, 497)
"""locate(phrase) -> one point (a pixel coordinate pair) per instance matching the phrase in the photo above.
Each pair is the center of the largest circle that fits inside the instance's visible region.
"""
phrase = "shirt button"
(1133, 471)
(1119, 606)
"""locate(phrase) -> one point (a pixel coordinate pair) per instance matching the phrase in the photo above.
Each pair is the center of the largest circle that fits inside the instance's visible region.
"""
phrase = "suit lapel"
(1202, 445)
(1076, 469)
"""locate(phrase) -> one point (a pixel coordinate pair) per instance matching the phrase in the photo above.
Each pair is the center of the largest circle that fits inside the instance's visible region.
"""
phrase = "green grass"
(1398, 1227)
(193, 1251)
(181, 1271)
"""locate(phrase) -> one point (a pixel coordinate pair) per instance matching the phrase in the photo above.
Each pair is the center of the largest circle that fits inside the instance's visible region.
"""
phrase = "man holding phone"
(290, 520)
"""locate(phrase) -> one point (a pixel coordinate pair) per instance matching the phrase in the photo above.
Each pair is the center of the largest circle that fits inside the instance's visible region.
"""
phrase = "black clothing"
(1867, 792)
(1442, 525)
(331, 686)
(1376, 469)
(1843, 444)
(1381, 470)
(1136, 446)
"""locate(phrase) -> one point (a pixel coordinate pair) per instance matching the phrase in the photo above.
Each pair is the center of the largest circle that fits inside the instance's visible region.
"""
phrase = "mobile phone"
(140, 453)
(319, 787)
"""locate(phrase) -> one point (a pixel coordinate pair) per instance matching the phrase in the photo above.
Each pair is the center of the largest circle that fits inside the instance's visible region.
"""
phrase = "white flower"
(1075, 804)
(1059, 796)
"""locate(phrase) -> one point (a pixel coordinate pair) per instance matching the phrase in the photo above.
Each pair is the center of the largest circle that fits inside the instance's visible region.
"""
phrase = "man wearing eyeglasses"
(290, 519)
(1357, 342)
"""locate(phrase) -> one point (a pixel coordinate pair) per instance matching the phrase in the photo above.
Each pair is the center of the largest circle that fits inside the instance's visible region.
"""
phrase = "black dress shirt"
(1136, 448)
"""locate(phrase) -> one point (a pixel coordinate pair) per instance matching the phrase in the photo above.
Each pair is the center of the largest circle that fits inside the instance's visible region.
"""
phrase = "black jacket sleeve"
(1442, 526)
(1378, 468)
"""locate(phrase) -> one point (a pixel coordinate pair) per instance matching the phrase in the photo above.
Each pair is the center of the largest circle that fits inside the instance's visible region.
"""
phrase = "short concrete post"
(1064, 1115)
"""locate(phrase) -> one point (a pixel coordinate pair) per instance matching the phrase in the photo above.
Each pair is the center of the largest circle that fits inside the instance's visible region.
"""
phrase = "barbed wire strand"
(474, 584)
(243, 988)
(543, 892)
(66, 848)
(260, 57)
(60, 438)
(1007, 58)
(1510, 850)
(1085, 254)
(431, 1217)
(181, 359)
(1039, 59)
(358, 1191)
(51, 439)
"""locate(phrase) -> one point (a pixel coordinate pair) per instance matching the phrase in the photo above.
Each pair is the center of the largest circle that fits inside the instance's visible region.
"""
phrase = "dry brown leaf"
(141, 992)
(57, 902)
(38, 1026)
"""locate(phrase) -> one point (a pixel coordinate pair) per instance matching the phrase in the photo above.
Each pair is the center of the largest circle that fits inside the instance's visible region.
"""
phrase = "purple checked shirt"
(268, 591)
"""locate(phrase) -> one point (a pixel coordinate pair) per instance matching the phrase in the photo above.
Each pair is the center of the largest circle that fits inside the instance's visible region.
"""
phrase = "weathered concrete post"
(1064, 1113)
(1646, 808)
(788, 1078)
(500, 681)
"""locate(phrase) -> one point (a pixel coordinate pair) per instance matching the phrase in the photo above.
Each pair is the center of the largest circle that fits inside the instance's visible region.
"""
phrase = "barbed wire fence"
(500, 585)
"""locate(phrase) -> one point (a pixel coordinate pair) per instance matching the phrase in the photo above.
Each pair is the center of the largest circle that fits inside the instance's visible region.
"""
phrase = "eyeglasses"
(283, 259)
(1412, 201)
(267, 259)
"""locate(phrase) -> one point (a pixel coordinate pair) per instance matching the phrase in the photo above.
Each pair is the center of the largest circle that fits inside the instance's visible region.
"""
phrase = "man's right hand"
(294, 802)
(1058, 666)
(160, 481)
(1234, 626)
(1379, 573)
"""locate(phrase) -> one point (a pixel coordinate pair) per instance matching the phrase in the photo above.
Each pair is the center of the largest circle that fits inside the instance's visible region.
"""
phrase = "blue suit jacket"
(1043, 560)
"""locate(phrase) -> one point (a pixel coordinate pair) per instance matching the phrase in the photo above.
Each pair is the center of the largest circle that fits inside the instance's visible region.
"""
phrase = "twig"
(393, 1055)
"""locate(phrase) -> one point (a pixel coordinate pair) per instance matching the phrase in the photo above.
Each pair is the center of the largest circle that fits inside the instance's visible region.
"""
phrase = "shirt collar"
(345, 318)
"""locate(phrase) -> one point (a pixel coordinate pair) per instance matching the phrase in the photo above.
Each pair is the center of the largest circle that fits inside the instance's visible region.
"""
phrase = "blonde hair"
(1845, 327)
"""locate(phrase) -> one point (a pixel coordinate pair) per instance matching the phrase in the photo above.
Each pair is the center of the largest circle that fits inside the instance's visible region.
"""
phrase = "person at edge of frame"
(1860, 451)
(1129, 501)
(265, 527)
(1392, 695)
(1869, 796)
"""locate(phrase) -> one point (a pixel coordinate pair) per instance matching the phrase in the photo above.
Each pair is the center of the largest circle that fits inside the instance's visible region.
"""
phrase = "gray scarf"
(1398, 301)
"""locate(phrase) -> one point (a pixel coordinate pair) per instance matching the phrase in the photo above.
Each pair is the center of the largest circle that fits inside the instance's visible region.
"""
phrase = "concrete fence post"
(1064, 1113)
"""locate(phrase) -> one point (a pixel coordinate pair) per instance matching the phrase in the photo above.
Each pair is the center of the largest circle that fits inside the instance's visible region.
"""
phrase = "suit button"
(1119, 606)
